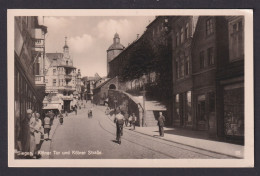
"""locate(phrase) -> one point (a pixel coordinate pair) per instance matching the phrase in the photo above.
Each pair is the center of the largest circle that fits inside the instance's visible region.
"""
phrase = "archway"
(112, 86)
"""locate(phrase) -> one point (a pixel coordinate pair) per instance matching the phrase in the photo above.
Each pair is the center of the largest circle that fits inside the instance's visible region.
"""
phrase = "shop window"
(188, 109)
(234, 110)
(201, 109)
(202, 60)
(210, 52)
(177, 106)
(209, 26)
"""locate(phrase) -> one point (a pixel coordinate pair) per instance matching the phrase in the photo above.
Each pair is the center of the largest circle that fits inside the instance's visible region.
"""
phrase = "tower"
(66, 54)
(114, 50)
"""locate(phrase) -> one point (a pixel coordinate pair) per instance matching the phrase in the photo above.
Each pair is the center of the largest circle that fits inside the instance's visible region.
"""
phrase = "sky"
(90, 37)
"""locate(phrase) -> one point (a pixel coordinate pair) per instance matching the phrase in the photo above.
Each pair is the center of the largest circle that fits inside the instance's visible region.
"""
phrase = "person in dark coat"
(161, 121)
(119, 120)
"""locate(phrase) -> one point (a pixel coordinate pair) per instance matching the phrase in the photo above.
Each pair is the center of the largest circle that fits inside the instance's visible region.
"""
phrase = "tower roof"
(65, 46)
(116, 45)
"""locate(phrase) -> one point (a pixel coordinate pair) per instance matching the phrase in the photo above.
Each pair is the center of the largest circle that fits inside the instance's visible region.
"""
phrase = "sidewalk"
(196, 139)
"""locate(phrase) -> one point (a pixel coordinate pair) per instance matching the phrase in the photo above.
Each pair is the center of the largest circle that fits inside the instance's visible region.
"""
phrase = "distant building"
(61, 81)
(89, 84)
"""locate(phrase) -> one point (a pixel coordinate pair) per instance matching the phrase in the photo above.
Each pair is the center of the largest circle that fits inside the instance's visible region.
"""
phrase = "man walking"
(119, 120)
(32, 125)
(134, 120)
(161, 121)
(47, 127)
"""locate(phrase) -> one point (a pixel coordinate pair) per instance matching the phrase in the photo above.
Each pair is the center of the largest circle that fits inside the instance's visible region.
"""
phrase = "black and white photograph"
(130, 88)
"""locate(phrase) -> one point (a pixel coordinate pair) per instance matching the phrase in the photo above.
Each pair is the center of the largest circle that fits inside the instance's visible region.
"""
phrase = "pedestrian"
(51, 115)
(134, 118)
(32, 125)
(25, 134)
(38, 131)
(60, 118)
(107, 111)
(130, 119)
(126, 116)
(75, 108)
(47, 127)
(161, 121)
(119, 120)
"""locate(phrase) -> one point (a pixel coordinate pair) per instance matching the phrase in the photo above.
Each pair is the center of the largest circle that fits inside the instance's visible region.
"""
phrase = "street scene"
(129, 87)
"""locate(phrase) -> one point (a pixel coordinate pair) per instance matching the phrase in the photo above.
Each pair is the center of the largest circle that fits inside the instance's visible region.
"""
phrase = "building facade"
(230, 83)
(61, 81)
(26, 54)
(144, 70)
(183, 28)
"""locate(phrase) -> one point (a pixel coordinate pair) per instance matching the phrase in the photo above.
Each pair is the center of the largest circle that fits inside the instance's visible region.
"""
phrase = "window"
(181, 68)
(177, 69)
(236, 35)
(46, 80)
(182, 35)
(54, 82)
(177, 39)
(187, 66)
(187, 31)
(177, 104)
(202, 60)
(210, 56)
(188, 109)
(37, 68)
(209, 26)
(212, 102)
(54, 71)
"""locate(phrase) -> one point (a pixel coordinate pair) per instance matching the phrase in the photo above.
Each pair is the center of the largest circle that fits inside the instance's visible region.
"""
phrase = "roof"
(116, 46)
(52, 56)
(103, 83)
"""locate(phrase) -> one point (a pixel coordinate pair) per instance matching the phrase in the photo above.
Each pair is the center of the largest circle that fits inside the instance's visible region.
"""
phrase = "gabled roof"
(54, 56)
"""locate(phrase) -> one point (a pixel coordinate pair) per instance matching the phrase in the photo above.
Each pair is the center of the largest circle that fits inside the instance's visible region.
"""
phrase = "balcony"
(39, 80)
(68, 77)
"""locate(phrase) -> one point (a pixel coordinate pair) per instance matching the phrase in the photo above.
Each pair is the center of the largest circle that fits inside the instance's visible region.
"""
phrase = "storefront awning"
(52, 106)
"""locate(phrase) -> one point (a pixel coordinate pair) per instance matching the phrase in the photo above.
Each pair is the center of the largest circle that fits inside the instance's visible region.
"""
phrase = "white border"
(248, 160)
